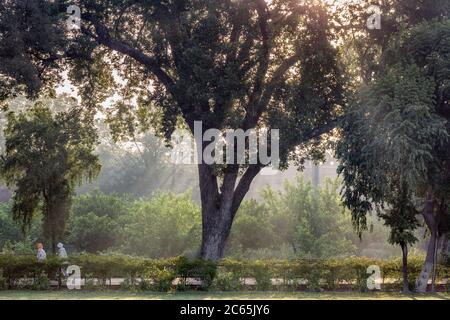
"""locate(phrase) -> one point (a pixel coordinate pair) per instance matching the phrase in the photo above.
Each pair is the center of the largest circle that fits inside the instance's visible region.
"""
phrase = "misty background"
(143, 204)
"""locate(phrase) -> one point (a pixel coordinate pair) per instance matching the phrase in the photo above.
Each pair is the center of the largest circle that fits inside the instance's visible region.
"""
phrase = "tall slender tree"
(395, 146)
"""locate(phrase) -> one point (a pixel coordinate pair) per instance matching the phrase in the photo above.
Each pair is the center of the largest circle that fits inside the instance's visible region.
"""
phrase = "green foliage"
(17, 269)
(163, 275)
(262, 276)
(92, 233)
(102, 204)
(324, 229)
(22, 247)
(16, 19)
(164, 226)
(162, 279)
(95, 223)
(46, 157)
(139, 171)
(41, 282)
(395, 147)
(9, 231)
(253, 228)
(227, 281)
(395, 143)
(268, 229)
(310, 222)
(228, 64)
(199, 269)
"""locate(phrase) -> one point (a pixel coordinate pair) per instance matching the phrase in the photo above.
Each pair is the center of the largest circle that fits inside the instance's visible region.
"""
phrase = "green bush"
(263, 275)
(160, 275)
(162, 279)
(41, 282)
(202, 270)
(227, 281)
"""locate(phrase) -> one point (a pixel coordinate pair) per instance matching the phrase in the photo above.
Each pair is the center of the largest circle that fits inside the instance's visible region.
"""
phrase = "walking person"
(62, 254)
(41, 255)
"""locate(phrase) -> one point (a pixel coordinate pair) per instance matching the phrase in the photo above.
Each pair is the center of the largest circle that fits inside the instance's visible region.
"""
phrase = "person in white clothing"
(41, 255)
(61, 251)
(62, 254)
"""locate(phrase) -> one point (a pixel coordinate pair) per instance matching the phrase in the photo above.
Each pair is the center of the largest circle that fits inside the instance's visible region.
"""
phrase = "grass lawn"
(126, 295)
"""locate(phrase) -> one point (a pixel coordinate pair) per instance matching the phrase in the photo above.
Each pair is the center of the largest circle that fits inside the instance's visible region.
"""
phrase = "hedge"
(18, 272)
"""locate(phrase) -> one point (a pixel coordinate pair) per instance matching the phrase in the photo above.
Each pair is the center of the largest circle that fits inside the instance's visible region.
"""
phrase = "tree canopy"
(229, 64)
(46, 156)
(395, 147)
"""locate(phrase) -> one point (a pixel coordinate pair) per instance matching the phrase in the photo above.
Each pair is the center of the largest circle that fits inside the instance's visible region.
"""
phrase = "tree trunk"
(405, 268)
(219, 208)
(216, 213)
(53, 244)
(445, 245)
(427, 270)
(433, 278)
(430, 220)
(214, 236)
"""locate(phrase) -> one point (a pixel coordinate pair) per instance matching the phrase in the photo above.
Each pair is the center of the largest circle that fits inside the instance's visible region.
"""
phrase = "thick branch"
(253, 115)
(319, 131)
(253, 170)
(227, 189)
(243, 187)
(208, 187)
(428, 210)
(103, 37)
(263, 67)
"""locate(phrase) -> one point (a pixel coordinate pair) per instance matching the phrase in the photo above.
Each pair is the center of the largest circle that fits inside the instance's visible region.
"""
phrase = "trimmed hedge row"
(176, 273)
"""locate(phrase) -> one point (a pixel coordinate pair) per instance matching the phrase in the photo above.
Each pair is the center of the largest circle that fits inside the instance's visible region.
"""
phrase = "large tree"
(229, 64)
(395, 145)
(46, 156)
(367, 51)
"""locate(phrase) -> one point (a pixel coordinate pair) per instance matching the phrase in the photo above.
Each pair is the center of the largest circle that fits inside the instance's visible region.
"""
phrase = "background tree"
(296, 222)
(164, 226)
(319, 226)
(401, 218)
(395, 144)
(139, 166)
(264, 229)
(92, 233)
(95, 221)
(11, 237)
(46, 156)
(253, 229)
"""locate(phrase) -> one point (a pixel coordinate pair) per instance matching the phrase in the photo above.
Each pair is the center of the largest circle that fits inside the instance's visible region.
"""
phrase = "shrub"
(227, 281)
(41, 282)
(159, 275)
(261, 271)
(162, 279)
(205, 271)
